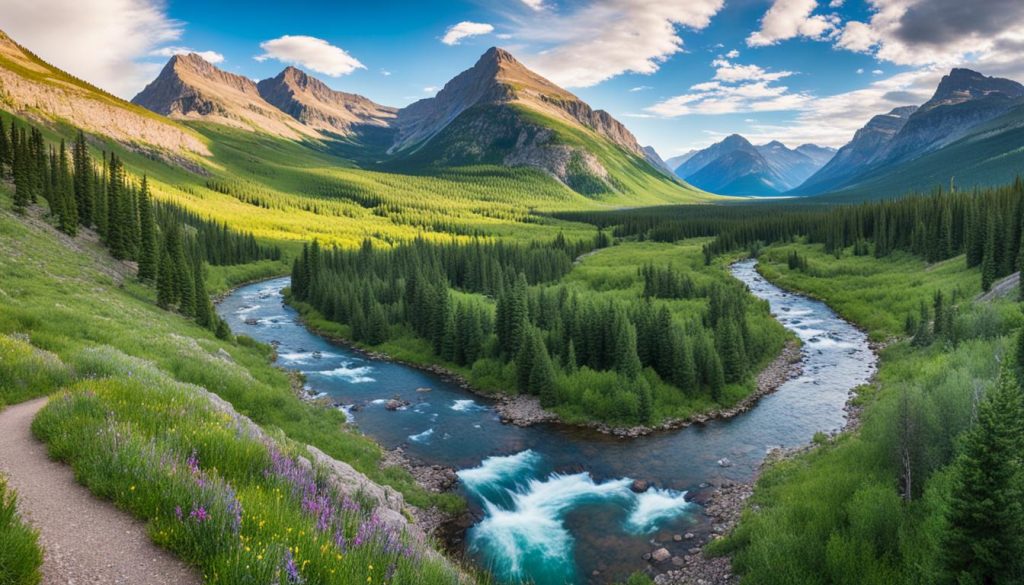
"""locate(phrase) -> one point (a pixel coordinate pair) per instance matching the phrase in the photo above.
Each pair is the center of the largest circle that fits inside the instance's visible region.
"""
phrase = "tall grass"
(20, 555)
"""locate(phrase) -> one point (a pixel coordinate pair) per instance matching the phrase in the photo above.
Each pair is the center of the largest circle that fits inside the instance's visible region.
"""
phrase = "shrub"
(20, 556)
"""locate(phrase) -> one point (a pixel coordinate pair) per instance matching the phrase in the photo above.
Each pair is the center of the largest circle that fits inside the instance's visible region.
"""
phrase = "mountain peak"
(315, 104)
(962, 85)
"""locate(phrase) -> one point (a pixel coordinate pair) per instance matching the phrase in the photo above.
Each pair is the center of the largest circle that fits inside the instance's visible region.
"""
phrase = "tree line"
(169, 245)
(984, 224)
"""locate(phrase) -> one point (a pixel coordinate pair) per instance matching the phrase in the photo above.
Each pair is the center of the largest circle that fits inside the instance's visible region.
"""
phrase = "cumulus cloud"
(734, 88)
(606, 38)
(534, 4)
(210, 56)
(732, 54)
(311, 53)
(787, 19)
(465, 29)
(937, 32)
(104, 42)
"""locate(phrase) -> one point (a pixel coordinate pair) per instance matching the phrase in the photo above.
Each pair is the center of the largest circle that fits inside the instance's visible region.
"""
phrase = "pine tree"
(147, 235)
(65, 193)
(525, 359)
(5, 150)
(165, 280)
(542, 375)
(204, 309)
(984, 542)
(625, 359)
(83, 186)
(989, 261)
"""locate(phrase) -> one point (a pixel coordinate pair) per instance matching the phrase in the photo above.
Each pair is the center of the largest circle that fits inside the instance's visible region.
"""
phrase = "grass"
(28, 372)
(20, 555)
(236, 503)
(876, 295)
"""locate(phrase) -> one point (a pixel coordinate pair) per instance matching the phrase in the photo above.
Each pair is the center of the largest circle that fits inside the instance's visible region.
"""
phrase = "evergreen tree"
(989, 262)
(984, 542)
(5, 150)
(64, 192)
(542, 374)
(204, 309)
(83, 186)
(147, 235)
(165, 280)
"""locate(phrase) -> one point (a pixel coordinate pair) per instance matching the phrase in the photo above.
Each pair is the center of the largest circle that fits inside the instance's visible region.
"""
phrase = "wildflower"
(199, 514)
(177, 512)
(290, 569)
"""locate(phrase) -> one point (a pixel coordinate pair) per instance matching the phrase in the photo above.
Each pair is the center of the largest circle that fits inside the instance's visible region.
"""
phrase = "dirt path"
(1001, 288)
(85, 540)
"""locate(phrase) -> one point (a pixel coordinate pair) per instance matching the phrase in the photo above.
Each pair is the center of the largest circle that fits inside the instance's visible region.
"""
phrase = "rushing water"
(553, 503)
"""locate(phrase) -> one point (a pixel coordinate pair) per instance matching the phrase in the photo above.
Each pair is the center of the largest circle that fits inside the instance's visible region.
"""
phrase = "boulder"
(660, 555)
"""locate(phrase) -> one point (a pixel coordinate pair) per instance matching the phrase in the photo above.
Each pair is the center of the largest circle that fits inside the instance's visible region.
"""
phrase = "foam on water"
(499, 469)
(653, 507)
(524, 523)
(422, 437)
(356, 375)
(305, 357)
(467, 406)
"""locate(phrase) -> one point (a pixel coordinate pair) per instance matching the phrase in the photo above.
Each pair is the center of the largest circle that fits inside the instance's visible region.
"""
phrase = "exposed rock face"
(49, 92)
(191, 88)
(310, 101)
(867, 146)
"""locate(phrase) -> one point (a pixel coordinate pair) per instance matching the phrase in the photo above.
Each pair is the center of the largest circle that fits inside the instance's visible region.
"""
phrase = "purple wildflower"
(199, 514)
(177, 512)
(290, 569)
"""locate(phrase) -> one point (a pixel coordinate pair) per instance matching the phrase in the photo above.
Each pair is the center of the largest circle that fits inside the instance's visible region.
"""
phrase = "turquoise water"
(552, 504)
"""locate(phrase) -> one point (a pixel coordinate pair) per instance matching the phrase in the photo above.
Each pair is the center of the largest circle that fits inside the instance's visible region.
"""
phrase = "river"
(554, 503)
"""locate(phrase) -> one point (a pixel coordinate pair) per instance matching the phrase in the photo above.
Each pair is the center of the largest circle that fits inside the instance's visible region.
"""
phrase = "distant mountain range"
(971, 132)
(496, 112)
(734, 166)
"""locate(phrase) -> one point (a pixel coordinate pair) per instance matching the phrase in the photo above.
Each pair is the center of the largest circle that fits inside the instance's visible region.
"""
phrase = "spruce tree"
(204, 310)
(542, 375)
(165, 280)
(83, 180)
(147, 235)
(984, 542)
(989, 261)
(5, 150)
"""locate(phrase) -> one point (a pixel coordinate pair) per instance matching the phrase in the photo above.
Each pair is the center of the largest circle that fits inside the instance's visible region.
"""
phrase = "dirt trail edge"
(85, 540)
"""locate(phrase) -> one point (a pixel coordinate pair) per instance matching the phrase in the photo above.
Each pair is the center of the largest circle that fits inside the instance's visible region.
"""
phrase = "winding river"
(553, 504)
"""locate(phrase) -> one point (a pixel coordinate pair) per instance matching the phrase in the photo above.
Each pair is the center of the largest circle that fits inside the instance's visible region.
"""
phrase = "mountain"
(867, 146)
(969, 116)
(310, 101)
(794, 166)
(655, 159)
(31, 87)
(676, 161)
(500, 112)
(190, 88)
(734, 166)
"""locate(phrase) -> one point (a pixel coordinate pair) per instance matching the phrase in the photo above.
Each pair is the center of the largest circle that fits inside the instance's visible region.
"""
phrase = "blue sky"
(680, 74)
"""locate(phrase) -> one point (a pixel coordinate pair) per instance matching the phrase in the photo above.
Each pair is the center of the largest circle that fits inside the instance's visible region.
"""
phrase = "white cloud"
(605, 38)
(385, 73)
(310, 52)
(104, 42)
(836, 4)
(640, 88)
(860, 71)
(534, 4)
(431, 89)
(210, 56)
(877, 72)
(464, 29)
(787, 19)
(727, 71)
(734, 88)
(732, 54)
